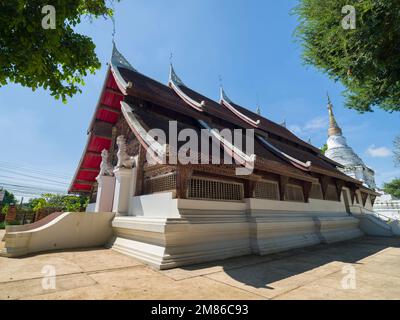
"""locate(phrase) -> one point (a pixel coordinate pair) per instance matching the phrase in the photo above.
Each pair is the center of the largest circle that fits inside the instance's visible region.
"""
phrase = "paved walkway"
(320, 272)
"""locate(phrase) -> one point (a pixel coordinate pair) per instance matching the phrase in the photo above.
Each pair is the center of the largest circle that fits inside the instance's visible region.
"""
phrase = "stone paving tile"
(12, 269)
(217, 266)
(144, 283)
(262, 279)
(99, 259)
(367, 286)
(308, 273)
(25, 288)
(231, 263)
(315, 291)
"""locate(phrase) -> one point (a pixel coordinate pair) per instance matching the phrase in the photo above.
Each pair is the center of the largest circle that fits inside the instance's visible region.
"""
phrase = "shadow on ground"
(300, 266)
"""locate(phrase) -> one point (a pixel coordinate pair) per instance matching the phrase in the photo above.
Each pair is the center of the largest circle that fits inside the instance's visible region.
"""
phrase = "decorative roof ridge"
(297, 163)
(144, 137)
(227, 144)
(173, 77)
(175, 82)
(223, 96)
(226, 102)
(119, 61)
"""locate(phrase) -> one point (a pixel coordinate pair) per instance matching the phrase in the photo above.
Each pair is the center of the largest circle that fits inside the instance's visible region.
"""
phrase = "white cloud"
(316, 124)
(311, 126)
(378, 152)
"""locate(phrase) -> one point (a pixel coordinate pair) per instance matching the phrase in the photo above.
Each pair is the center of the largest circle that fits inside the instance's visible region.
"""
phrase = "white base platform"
(207, 230)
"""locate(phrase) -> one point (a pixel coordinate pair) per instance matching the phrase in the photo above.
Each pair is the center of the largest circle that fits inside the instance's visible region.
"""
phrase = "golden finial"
(334, 129)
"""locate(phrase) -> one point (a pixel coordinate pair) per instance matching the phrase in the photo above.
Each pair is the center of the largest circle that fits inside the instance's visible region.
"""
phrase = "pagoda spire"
(334, 129)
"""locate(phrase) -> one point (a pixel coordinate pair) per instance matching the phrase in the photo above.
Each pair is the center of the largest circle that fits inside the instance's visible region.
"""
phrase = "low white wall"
(67, 231)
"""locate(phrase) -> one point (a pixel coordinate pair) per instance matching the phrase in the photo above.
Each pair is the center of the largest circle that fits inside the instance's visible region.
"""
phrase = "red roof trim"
(110, 98)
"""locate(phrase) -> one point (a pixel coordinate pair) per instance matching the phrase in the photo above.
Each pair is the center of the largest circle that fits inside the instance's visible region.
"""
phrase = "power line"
(41, 174)
(54, 173)
(30, 187)
(41, 179)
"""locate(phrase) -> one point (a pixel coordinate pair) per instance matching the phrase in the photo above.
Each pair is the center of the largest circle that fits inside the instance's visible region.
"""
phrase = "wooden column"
(364, 197)
(339, 186)
(306, 190)
(140, 171)
(324, 186)
(353, 194)
(283, 181)
(373, 198)
(183, 175)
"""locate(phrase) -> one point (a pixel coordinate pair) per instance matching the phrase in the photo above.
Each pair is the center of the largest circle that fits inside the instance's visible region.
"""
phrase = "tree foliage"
(54, 59)
(365, 59)
(9, 198)
(324, 148)
(393, 188)
(62, 202)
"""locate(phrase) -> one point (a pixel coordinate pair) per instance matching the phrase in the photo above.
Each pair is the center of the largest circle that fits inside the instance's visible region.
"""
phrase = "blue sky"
(249, 43)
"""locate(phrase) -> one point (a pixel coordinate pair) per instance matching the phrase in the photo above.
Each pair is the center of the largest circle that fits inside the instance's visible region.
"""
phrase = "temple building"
(176, 205)
(340, 152)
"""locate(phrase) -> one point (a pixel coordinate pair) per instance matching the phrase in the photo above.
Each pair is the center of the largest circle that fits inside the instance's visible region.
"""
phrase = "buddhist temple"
(252, 187)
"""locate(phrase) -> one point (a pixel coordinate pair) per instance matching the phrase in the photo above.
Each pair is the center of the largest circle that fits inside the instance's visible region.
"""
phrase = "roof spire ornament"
(334, 129)
(173, 77)
(223, 96)
(283, 124)
(258, 109)
(118, 60)
(113, 30)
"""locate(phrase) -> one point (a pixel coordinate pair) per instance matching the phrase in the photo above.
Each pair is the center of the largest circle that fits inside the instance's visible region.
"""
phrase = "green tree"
(55, 59)
(8, 198)
(4, 209)
(393, 188)
(324, 148)
(366, 60)
(63, 202)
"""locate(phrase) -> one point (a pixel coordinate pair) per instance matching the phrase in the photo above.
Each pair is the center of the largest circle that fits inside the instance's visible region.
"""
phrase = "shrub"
(13, 223)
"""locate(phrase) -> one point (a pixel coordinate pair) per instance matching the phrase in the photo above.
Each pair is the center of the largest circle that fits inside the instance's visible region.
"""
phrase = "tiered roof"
(275, 146)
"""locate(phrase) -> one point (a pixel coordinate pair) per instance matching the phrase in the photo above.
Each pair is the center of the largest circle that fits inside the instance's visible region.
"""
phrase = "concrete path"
(367, 268)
